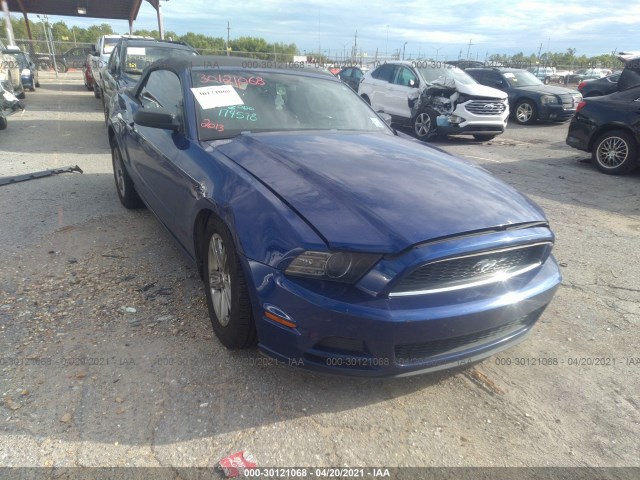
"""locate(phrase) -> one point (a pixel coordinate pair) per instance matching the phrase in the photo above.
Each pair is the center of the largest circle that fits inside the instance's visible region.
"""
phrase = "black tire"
(228, 299)
(61, 68)
(37, 84)
(3, 123)
(483, 138)
(44, 67)
(366, 99)
(615, 153)
(96, 91)
(547, 80)
(525, 112)
(124, 185)
(424, 124)
(21, 95)
(32, 89)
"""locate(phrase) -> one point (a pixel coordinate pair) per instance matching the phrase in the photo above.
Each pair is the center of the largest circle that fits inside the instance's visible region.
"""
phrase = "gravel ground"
(108, 358)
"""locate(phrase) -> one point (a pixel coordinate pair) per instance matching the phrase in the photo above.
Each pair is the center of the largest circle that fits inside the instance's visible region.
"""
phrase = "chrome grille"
(569, 101)
(471, 270)
(486, 107)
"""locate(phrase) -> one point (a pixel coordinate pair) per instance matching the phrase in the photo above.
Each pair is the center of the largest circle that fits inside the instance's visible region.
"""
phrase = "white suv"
(435, 98)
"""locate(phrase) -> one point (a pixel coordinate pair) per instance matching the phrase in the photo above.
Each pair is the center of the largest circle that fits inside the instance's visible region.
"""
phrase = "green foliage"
(243, 46)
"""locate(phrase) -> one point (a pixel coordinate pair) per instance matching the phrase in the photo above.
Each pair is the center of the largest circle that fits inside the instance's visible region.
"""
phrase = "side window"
(384, 73)
(357, 74)
(479, 76)
(162, 90)
(494, 78)
(404, 77)
(347, 73)
(114, 61)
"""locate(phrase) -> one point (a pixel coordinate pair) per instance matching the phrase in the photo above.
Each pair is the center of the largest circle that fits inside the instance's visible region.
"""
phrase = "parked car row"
(322, 235)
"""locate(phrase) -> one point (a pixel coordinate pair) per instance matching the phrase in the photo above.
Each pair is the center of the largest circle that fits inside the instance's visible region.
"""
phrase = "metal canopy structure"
(108, 9)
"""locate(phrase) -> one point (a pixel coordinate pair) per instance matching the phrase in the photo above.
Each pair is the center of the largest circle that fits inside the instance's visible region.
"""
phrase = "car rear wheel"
(526, 112)
(424, 124)
(96, 91)
(124, 185)
(366, 99)
(61, 68)
(615, 153)
(3, 123)
(228, 299)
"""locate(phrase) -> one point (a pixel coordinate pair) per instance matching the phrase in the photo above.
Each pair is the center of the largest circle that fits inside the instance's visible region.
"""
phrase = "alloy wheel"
(524, 112)
(422, 124)
(612, 152)
(119, 170)
(219, 279)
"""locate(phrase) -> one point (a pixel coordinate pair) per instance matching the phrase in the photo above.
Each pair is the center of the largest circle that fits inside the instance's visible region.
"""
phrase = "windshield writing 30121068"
(231, 80)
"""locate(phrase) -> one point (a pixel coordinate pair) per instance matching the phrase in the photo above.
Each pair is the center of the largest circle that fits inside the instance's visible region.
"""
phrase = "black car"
(599, 86)
(609, 128)
(351, 76)
(129, 58)
(530, 100)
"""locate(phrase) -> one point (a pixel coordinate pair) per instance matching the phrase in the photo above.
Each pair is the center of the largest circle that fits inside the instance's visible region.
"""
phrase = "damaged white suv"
(434, 98)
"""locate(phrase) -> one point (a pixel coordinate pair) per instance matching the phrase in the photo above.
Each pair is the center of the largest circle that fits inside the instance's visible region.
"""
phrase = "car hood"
(477, 90)
(547, 90)
(378, 193)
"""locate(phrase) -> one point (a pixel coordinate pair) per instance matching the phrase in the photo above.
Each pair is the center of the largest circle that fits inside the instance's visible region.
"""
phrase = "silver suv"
(435, 98)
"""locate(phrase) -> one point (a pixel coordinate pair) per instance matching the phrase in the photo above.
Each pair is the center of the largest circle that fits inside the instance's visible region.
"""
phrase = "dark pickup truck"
(73, 58)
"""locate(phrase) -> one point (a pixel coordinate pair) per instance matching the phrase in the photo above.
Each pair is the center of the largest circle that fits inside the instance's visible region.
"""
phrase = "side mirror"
(156, 118)
(499, 84)
(413, 84)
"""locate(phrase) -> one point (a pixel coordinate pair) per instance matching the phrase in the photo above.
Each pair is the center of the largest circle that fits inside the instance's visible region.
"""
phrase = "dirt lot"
(108, 359)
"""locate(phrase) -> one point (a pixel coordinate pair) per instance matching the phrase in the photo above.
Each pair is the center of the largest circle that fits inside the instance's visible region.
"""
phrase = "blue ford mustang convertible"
(321, 235)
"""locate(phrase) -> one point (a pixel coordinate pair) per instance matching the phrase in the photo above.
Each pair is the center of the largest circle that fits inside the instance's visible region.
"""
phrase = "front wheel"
(124, 185)
(61, 68)
(424, 124)
(615, 153)
(96, 91)
(366, 99)
(526, 112)
(3, 123)
(228, 299)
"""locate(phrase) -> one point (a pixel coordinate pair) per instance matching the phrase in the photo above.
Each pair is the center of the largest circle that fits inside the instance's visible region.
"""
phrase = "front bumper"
(555, 113)
(473, 123)
(580, 133)
(343, 330)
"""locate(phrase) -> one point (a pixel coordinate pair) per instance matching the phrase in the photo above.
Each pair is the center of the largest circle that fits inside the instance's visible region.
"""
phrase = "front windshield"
(232, 102)
(447, 72)
(521, 79)
(138, 58)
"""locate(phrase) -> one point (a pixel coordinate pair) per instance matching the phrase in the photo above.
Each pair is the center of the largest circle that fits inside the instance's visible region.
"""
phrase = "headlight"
(344, 267)
(549, 100)
(25, 72)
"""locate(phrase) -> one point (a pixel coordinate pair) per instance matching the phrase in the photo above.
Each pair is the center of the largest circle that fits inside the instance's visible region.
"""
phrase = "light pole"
(386, 45)
(403, 47)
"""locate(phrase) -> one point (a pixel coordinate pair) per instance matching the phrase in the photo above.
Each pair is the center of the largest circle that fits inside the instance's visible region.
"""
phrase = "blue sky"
(442, 28)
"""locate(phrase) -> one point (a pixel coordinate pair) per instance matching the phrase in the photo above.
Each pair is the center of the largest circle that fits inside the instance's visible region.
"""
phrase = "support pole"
(160, 25)
(7, 19)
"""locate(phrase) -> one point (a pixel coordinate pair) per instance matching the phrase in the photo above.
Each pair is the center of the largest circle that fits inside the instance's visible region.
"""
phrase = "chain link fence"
(63, 56)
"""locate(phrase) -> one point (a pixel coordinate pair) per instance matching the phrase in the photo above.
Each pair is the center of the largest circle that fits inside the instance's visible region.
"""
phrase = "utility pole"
(228, 30)
(539, 50)
(469, 49)
(7, 19)
(355, 44)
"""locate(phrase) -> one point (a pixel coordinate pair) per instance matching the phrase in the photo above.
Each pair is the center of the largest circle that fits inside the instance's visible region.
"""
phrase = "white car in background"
(434, 98)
